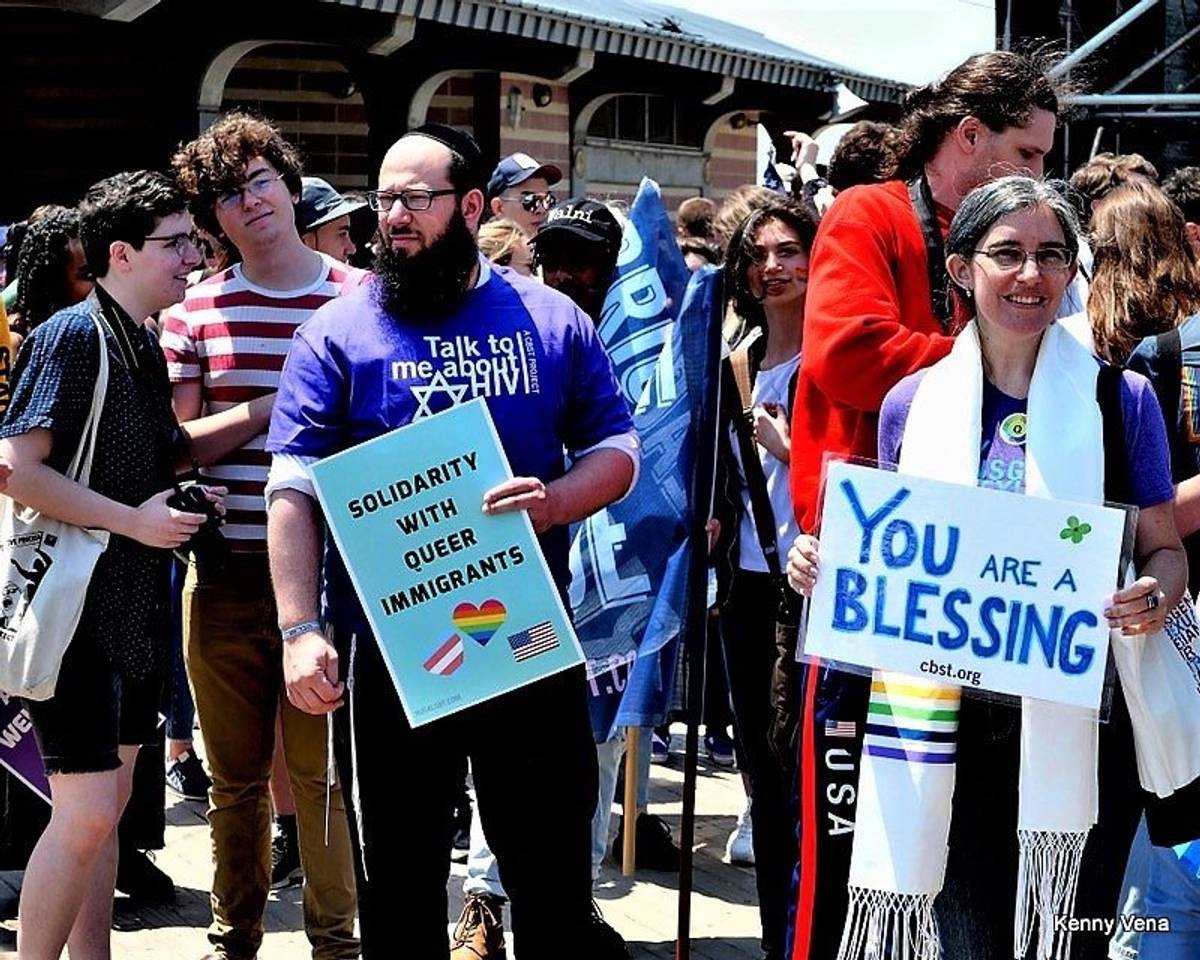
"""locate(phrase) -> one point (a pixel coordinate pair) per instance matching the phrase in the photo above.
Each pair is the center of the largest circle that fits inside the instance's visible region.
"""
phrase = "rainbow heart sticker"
(480, 623)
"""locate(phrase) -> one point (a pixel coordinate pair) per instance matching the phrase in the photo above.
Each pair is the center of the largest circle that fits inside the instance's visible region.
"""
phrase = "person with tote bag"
(94, 448)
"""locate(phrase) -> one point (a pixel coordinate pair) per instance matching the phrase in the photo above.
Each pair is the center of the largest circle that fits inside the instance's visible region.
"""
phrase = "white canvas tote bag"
(45, 568)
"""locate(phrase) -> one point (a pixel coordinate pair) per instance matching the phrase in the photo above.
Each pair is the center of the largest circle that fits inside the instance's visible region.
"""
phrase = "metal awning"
(662, 36)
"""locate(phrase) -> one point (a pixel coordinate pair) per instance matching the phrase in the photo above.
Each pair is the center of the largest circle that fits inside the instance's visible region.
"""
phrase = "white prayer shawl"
(906, 782)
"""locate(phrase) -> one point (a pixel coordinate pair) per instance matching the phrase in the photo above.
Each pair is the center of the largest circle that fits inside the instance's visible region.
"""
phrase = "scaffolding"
(1140, 60)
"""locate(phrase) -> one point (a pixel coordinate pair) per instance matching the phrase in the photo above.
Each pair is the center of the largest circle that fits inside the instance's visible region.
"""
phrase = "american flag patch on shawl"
(841, 728)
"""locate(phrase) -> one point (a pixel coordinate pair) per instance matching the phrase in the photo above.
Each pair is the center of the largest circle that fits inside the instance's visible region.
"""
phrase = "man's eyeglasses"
(257, 186)
(532, 202)
(180, 243)
(381, 201)
(1048, 259)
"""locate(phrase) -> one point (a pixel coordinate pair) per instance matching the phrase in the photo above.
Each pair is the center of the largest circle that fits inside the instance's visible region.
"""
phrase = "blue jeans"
(1158, 883)
(181, 711)
(608, 756)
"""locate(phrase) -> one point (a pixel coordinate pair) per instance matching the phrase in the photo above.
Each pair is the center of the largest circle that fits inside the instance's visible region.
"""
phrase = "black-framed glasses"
(532, 202)
(257, 185)
(1053, 259)
(381, 201)
(180, 243)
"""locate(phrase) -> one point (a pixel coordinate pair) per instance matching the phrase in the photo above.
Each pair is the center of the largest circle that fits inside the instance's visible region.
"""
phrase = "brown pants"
(234, 665)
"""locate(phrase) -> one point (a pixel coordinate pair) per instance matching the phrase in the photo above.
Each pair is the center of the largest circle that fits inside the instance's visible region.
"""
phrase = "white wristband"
(308, 626)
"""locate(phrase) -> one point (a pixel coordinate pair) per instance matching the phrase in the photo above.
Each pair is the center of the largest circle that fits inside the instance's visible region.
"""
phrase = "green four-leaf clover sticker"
(1075, 531)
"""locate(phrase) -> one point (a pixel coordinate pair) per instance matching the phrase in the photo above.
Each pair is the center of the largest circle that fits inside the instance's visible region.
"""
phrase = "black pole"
(694, 678)
(704, 379)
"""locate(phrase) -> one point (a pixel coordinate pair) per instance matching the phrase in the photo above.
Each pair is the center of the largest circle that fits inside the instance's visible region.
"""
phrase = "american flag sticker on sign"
(841, 728)
(539, 638)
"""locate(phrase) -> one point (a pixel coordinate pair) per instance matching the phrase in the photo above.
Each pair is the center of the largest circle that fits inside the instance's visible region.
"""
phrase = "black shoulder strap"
(1170, 348)
(756, 480)
(1168, 385)
(935, 251)
(1117, 486)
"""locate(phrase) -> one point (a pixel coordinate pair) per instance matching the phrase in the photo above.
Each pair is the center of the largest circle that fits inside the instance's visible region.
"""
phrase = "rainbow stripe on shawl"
(912, 721)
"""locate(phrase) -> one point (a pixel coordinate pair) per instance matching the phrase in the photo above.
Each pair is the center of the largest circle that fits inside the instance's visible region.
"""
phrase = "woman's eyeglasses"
(1048, 259)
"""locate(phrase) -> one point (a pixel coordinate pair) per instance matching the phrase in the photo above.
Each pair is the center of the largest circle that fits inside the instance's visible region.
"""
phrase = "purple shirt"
(1002, 445)
(354, 373)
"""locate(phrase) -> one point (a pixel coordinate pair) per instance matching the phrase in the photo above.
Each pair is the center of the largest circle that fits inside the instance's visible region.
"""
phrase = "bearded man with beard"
(390, 353)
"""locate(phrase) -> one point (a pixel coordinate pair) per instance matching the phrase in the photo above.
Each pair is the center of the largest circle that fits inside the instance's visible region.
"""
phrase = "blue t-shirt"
(1002, 454)
(1002, 440)
(353, 373)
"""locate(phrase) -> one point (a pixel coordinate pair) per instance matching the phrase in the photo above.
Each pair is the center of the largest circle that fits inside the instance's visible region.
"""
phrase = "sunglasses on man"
(532, 202)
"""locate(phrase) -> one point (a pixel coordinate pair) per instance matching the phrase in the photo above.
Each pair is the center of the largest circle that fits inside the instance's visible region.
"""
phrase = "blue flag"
(632, 564)
(771, 179)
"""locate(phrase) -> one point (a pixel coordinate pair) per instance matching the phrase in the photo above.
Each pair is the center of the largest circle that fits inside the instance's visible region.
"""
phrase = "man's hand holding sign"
(450, 576)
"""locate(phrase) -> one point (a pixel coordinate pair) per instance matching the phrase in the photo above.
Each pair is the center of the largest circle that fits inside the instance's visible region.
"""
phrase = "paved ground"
(643, 908)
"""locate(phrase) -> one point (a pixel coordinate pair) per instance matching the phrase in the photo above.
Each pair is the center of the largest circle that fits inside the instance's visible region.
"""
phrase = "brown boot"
(479, 934)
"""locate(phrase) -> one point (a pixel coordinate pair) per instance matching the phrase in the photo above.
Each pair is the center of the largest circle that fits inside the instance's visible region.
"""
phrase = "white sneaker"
(739, 848)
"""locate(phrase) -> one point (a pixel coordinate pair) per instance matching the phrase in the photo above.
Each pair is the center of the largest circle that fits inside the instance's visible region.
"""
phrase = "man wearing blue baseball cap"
(323, 219)
(519, 189)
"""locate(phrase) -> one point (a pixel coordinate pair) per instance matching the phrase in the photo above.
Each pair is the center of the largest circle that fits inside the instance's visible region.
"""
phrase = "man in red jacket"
(877, 311)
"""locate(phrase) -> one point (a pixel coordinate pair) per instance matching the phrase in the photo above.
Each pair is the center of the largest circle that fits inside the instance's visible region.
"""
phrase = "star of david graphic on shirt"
(437, 384)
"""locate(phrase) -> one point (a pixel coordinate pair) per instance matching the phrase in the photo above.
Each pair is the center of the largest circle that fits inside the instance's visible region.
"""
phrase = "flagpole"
(698, 621)
(694, 680)
(629, 810)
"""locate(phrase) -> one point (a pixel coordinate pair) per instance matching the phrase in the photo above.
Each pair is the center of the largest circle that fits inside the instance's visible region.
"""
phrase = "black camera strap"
(110, 315)
(935, 249)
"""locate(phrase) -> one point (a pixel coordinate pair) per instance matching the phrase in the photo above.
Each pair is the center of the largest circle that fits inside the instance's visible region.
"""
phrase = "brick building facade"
(93, 86)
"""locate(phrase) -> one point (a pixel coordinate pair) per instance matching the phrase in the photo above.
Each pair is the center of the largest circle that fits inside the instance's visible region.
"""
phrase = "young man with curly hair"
(225, 347)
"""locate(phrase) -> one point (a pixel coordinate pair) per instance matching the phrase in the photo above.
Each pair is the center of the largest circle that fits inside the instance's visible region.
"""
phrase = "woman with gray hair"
(1036, 799)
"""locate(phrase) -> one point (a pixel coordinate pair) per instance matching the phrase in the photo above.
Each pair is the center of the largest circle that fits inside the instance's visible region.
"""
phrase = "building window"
(647, 119)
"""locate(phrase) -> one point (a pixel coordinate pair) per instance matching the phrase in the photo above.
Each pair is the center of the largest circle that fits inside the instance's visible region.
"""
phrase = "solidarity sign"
(975, 587)
(462, 604)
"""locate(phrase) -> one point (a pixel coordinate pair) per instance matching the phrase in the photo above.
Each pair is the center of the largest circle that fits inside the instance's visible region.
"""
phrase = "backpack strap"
(745, 369)
(1117, 485)
(756, 480)
(1168, 387)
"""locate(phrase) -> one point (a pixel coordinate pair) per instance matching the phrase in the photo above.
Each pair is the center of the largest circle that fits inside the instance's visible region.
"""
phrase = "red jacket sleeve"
(860, 335)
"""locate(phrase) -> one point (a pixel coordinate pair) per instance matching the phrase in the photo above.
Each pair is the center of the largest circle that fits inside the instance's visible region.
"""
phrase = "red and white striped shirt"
(232, 337)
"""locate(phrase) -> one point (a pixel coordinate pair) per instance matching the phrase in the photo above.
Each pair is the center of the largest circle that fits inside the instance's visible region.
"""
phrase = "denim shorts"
(94, 710)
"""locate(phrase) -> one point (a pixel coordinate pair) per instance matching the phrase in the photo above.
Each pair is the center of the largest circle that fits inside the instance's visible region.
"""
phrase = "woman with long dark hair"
(51, 270)
(767, 280)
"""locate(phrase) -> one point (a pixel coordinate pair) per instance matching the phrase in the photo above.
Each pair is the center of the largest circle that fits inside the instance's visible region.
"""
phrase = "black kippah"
(461, 143)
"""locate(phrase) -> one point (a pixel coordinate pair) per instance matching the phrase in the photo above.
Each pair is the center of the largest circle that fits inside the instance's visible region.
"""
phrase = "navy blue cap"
(320, 203)
(517, 168)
